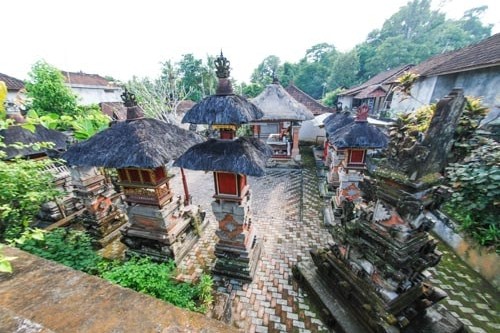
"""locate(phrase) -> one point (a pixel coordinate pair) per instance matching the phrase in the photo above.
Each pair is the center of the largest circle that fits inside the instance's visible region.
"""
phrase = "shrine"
(350, 144)
(280, 125)
(231, 159)
(373, 277)
(161, 225)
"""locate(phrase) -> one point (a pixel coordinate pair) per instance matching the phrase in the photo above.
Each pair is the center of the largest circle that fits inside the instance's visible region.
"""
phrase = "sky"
(126, 38)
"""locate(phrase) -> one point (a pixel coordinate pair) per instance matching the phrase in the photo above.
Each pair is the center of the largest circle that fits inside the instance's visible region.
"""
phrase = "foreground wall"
(43, 296)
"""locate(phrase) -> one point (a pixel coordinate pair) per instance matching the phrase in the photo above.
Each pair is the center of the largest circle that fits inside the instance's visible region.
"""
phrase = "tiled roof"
(371, 91)
(11, 82)
(483, 54)
(428, 65)
(381, 78)
(313, 105)
(115, 110)
(85, 79)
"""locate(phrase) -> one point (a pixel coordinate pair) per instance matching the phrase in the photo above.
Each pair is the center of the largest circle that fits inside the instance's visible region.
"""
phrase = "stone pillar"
(238, 249)
(104, 215)
(295, 138)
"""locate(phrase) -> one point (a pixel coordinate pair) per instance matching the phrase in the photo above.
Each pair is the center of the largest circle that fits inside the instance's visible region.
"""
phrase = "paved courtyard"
(287, 212)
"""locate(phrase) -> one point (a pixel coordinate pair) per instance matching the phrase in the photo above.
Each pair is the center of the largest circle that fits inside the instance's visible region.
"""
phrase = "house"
(376, 92)
(14, 86)
(475, 69)
(92, 88)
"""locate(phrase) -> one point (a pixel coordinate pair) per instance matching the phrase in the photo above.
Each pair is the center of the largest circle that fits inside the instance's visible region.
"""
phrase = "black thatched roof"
(336, 121)
(223, 109)
(141, 143)
(359, 134)
(243, 155)
(16, 133)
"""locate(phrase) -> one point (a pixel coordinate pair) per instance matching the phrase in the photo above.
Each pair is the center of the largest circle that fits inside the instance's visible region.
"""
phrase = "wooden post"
(186, 191)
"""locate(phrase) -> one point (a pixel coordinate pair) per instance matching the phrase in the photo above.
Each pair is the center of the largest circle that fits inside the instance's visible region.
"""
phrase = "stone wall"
(43, 296)
(487, 264)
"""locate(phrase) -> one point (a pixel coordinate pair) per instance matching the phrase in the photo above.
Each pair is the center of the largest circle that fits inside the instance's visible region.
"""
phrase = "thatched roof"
(336, 121)
(223, 109)
(141, 143)
(16, 133)
(359, 134)
(243, 155)
(278, 105)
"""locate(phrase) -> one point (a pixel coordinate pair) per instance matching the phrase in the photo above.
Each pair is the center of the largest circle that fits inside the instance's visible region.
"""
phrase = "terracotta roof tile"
(313, 105)
(381, 78)
(85, 79)
(486, 53)
(11, 82)
(115, 110)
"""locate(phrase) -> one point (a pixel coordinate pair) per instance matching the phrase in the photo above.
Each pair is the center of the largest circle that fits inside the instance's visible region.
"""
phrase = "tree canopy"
(47, 91)
(411, 35)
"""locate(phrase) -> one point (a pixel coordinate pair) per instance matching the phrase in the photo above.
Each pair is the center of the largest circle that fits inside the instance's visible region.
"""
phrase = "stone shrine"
(231, 160)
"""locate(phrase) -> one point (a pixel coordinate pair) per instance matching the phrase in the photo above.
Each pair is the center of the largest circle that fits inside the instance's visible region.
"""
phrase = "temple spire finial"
(222, 66)
(128, 98)
(222, 71)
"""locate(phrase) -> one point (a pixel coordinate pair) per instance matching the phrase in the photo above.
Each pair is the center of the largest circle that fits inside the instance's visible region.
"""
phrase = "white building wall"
(422, 91)
(346, 101)
(94, 94)
(311, 133)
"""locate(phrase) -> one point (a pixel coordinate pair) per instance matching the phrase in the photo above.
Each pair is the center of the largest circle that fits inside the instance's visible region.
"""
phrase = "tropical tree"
(415, 33)
(47, 91)
(198, 79)
(344, 71)
(266, 71)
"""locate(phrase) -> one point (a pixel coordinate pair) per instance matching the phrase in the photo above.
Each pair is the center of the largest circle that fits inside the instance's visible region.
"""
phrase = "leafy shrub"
(69, 247)
(47, 91)
(25, 186)
(476, 191)
(156, 279)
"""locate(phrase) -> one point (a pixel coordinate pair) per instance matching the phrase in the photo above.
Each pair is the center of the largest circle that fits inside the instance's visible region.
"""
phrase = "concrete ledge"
(487, 264)
(43, 296)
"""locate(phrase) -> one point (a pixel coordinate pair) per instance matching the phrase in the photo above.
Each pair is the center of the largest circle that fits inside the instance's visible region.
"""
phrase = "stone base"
(236, 262)
(341, 315)
(106, 230)
(173, 241)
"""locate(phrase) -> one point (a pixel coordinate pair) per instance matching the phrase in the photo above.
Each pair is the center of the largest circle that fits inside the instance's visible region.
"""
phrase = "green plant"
(476, 191)
(204, 287)
(5, 265)
(465, 133)
(244, 130)
(155, 279)
(87, 121)
(405, 82)
(69, 247)
(25, 186)
(47, 91)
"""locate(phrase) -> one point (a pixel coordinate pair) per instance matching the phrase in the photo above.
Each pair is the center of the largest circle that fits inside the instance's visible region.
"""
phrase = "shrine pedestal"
(238, 249)
(104, 214)
(163, 233)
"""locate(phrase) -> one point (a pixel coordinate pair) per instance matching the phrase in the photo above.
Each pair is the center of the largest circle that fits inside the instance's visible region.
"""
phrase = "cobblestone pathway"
(287, 212)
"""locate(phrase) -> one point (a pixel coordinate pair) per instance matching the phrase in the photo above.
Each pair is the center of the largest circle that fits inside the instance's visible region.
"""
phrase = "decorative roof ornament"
(134, 111)
(362, 114)
(222, 67)
(128, 98)
(224, 87)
